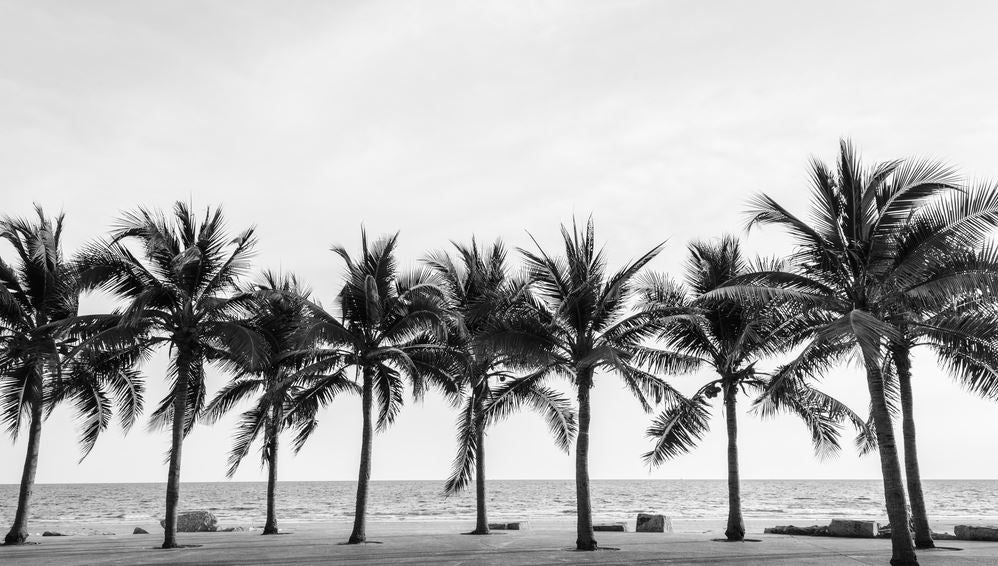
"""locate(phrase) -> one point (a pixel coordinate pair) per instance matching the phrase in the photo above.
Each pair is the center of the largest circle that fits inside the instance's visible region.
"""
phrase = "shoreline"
(684, 526)
(439, 542)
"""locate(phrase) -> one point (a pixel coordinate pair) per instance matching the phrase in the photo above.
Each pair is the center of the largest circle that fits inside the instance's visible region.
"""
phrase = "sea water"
(244, 503)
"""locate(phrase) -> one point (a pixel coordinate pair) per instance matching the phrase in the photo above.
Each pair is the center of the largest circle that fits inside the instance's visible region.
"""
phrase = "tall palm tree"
(960, 332)
(277, 312)
(583, 324)
(730, 338)
(182, 293)
(847, 264)
(38, 295)
(481, 292)
(390, 327)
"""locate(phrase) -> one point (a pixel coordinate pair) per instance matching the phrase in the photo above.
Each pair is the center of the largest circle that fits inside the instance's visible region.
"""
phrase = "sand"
(439, 542)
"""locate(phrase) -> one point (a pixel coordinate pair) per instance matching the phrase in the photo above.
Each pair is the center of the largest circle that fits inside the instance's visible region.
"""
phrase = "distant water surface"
(244, 503)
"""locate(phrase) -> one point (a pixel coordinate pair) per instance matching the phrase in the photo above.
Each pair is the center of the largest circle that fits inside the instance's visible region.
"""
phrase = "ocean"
(803, 502)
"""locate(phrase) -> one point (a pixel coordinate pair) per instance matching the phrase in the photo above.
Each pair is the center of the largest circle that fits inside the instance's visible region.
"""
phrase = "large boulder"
(648, 523)
(140, 531)
(195, 522)
(853, 529)
(966, 532)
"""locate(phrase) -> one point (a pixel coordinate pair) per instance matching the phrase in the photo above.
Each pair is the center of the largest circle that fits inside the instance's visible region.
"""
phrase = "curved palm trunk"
(19, 530)
(923, 534)
(736, 525)
(586, 539)
(176, 448)
(482, 519)
(270, 527)
(903, 551)
(359, 533)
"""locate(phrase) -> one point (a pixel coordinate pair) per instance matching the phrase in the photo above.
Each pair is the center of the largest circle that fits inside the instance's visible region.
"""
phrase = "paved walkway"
(404, 545)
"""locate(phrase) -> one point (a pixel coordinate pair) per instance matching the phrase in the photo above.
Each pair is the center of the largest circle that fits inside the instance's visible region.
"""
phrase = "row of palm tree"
(893, 256)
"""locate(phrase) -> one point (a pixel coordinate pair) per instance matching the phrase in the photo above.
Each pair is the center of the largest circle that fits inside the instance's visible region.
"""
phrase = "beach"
(439, 542)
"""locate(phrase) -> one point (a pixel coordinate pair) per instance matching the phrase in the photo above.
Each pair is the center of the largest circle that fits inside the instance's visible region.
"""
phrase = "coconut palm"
(730, 339)
(481, 292)
(181, 293)
(38, 295)
(582, 324)
(391, 327)
(276, 313)
(849, 264)
(960, 332)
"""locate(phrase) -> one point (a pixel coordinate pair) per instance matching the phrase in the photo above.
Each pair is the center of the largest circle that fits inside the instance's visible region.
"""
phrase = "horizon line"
(497, 479)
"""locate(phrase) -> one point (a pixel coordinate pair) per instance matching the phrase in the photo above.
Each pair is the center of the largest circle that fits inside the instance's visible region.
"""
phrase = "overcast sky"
(448, 119)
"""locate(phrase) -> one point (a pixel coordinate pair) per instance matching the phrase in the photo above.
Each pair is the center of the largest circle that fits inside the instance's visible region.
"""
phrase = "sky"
(443, 120)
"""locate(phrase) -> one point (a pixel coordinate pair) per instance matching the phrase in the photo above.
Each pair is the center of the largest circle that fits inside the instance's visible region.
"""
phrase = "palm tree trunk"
(359, 533)
(270, 527)
(903, 551)
(482, 522)
(923, 534)
(584, 509)
(176, 449)
(736, 525)
(19, 530)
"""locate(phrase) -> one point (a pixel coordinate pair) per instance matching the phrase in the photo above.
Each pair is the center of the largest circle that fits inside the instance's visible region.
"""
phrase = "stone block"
(853, 529)
(648, 523)
(966, 532)
(620, 527)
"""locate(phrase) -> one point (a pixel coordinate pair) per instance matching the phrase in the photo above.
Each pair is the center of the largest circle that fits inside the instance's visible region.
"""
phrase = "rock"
(648, 523)
(514, 526)
(812, 531)
(853, 529)
(611, 527)
(140, 531)
(195, 522)
(966, 532)
(943, 536)
(233, 530)
(53, 534)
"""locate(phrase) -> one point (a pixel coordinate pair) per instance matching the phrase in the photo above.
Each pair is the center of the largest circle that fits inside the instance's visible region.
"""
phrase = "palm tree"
(481, 291)
(182, 293)
(583, 324)
(276, 313)
(730, 338)
(847, 264)
(960, 331)
(38, 295)
(390, 327)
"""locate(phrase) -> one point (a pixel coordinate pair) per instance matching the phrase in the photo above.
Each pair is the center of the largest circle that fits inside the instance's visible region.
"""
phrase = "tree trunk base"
(354, 539)
(270, 531)
(480, 532)
(904, 562)
(170, 544)
(735, 536)
(586, 544)
(14, 538)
